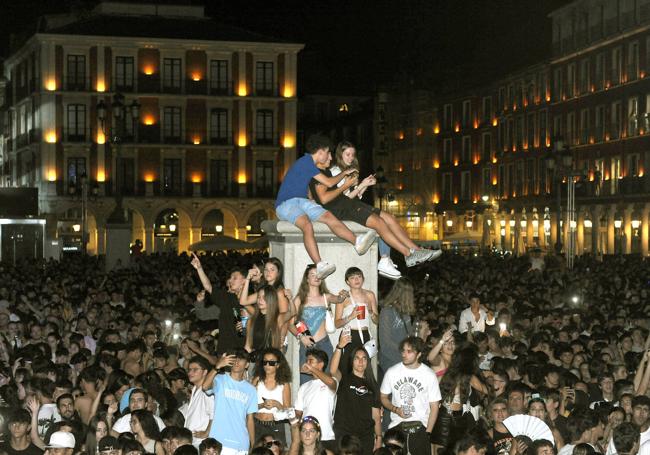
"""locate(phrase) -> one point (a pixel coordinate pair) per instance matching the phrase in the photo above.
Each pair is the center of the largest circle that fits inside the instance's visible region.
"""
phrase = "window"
(530, 130)
(633, 61)
(76, 123)
(617, 116)
(599, 125)
(486, 147)
(487, 181)
(600, 71)
(487, 109)
(502, 98)
(264, 78)
(447, 194)
(502, 181)
(264, 126)
(219, 82)
(511, 96)
(219, 126)
(558, 131)
(446, 151)
(172, 73)
(530, 177)
(557, 84)
(172, 124)
(633, 165)
(76, 72)
(571, 80)
(124, 73)
(467, 149)
(264, 177)
(465, 185)
(467, 113)
(172, 176)
(219, 180)
(126, 175)
(520, 132)
(584, 126)
(76, 170)
(617, 64)
(570, 128)
(633, 116)
(510, 131)
(519, 179)
(447, 116)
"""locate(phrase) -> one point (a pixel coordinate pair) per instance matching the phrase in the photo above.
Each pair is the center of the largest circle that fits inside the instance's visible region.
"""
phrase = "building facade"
(191, 121)
(503, 154)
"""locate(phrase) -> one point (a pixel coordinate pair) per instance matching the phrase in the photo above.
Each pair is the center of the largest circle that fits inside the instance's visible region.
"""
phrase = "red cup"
(362, 311)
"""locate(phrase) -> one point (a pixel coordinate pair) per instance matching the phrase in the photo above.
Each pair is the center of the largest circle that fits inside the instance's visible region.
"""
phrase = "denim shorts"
(295, 207)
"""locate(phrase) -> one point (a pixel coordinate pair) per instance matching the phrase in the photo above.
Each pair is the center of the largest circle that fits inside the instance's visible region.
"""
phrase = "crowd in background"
(181, 355)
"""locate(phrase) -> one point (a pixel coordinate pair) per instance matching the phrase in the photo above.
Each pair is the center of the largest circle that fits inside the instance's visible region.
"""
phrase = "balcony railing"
(76, 84)
(268, 140)
(221, 139)
(267, 90)
(223, 88)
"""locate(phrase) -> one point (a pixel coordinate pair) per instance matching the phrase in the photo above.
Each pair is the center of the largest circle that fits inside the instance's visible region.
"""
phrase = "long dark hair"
(303, 289)
(147, 423)
(271, 328)
(279, 282)
(282, 374)
(367, 375)
(464, 365)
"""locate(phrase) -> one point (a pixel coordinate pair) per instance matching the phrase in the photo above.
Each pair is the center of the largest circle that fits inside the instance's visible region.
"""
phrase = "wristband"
(339, 348)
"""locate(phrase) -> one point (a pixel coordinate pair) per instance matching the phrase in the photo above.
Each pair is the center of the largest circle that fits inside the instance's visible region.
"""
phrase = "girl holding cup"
(355, 314)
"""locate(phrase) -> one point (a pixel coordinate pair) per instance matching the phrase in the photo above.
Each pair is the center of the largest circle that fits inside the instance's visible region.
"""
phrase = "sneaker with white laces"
(435, 255)
(324, 269)
(417, 257)
(364, 242)
(387, 269)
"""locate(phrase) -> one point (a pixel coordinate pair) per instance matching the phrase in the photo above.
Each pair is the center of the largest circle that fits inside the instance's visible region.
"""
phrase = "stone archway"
(229, 220)
(171, 230)
(254, 224)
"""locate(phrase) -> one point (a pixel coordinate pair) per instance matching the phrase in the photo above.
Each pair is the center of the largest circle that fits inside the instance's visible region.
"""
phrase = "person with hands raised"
(311, 306)
(316, 398)
(358, 405)
(235, 403)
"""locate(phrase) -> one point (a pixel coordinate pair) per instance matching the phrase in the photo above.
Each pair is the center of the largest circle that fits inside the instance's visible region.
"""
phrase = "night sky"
(354, 47)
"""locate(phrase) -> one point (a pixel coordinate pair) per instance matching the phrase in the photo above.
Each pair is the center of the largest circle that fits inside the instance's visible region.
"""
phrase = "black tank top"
(260, 340)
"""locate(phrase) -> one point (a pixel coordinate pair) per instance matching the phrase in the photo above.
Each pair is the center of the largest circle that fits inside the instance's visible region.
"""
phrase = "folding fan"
(530, 426)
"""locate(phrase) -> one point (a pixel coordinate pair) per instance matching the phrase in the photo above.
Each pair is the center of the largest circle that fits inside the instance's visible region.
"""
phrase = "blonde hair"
(338, 156)
(401, 297)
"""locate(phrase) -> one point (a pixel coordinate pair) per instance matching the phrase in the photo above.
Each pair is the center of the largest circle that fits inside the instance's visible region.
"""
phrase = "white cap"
(61, 440)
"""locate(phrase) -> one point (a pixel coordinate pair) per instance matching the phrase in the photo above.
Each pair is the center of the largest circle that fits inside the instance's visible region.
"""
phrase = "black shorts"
(352, 210)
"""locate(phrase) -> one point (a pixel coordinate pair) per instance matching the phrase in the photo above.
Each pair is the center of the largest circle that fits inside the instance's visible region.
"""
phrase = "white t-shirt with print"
(413, 390)
(317, 400)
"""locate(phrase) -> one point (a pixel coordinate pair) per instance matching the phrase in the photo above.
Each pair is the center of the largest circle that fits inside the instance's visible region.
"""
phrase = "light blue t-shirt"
(296, 181)
(233, 401)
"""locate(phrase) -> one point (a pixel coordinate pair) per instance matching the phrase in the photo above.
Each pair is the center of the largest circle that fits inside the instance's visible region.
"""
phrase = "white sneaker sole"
(327, 271)
(367, 240)
(389, 276)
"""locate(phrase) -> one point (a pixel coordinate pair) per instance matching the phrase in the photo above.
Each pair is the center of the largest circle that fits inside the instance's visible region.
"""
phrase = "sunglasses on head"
(271, 363)
(270, 444)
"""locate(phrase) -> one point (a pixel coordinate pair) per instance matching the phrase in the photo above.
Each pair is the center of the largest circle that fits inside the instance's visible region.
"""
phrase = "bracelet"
(339, 348)
(299, 336)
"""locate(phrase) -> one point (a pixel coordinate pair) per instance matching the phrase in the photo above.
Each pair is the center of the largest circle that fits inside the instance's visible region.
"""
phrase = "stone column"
(101, 238)
(195, 234)
(508, 236)
(148, 241)
(286, 243)
(611, 232)
(595, 230)
(554, 222)
(627, 229)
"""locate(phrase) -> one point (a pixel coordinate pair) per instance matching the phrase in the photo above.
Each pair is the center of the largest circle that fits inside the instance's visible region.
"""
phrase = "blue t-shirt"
(233, 401)
(296, 181)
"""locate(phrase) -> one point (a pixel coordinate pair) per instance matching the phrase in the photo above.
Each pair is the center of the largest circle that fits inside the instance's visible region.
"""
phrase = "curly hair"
(282, 374)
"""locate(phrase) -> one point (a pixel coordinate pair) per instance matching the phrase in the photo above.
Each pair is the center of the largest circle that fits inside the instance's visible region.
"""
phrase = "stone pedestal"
(286, 243)
(118, 240)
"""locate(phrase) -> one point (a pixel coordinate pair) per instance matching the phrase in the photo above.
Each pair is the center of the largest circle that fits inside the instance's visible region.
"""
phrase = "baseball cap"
(61, 440)
(108, 443)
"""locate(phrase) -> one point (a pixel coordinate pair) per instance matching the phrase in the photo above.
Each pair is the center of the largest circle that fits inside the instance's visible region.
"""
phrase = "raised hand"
(196, 262)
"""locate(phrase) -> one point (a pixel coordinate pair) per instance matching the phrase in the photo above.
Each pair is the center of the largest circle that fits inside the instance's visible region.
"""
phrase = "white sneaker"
(364, 242)
(387, 269)
(418, 257)
(324, 269)
(436, 254)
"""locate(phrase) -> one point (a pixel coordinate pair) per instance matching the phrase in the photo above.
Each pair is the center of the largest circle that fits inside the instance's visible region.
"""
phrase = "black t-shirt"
(355, 399)
(501, 442)
(30, 450)
(229, 338)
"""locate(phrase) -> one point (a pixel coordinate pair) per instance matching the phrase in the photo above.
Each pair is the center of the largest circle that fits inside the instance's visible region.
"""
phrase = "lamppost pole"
(381, 186)
(115, 137)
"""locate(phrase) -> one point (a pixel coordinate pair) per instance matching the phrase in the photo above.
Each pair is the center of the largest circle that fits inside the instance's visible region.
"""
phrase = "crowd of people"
(179, 355)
